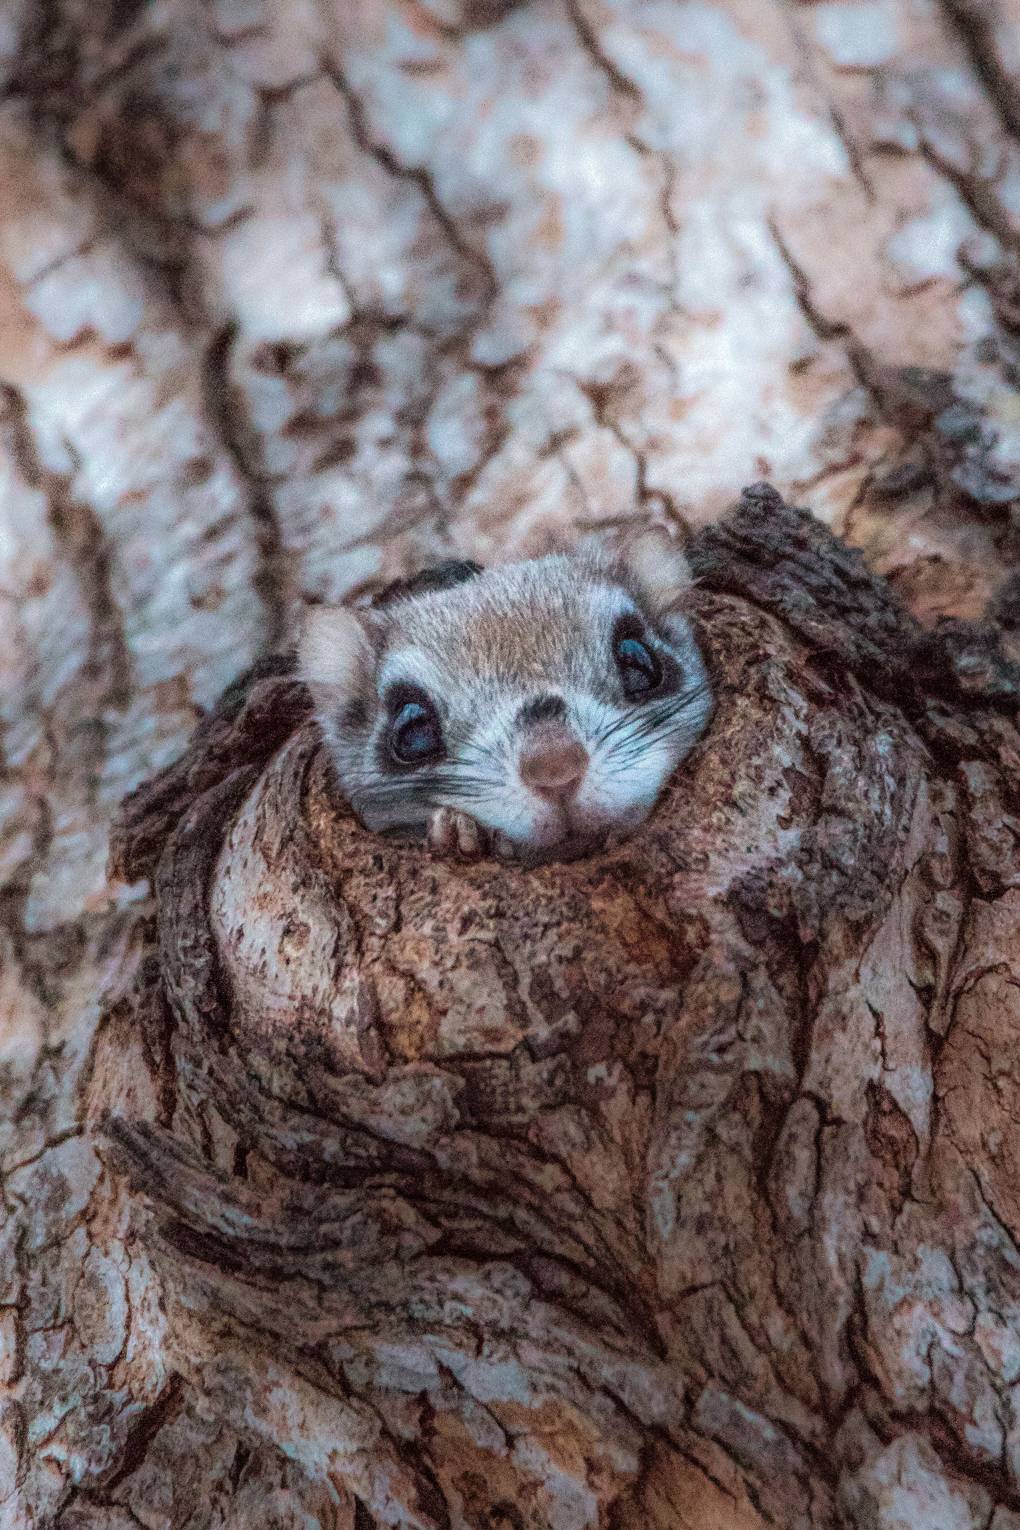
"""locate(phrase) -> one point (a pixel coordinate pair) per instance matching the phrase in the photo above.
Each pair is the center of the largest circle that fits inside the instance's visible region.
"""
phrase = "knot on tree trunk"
(677, 1186)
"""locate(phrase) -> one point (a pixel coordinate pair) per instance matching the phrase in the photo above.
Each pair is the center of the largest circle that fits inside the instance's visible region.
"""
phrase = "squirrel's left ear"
(649, 560)
(658, 567)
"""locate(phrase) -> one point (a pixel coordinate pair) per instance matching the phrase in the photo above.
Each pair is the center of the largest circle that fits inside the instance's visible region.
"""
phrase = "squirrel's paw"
(453, 833)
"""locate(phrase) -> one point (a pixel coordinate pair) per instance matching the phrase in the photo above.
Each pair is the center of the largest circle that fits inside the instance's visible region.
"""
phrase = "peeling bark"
(295, 297)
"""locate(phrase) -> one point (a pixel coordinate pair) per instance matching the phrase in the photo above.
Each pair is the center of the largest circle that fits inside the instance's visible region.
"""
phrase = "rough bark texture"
(295, 297)
(675, 1187)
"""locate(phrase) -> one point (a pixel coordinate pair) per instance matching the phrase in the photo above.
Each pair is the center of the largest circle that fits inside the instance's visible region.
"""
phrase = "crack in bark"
(861, 363)
(599, 396)
(978, 194)
(415, 175)
(589, 41)
(972, 22)
(836, 115)
(81, 536)
(953, 439)
(271, 579)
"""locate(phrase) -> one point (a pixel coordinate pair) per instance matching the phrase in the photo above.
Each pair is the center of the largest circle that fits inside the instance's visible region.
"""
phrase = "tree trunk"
(672, 1187)
(681, 1191)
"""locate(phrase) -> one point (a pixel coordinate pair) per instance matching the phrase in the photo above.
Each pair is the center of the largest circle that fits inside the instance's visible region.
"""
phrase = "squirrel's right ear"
(647, 559)
(333, 650)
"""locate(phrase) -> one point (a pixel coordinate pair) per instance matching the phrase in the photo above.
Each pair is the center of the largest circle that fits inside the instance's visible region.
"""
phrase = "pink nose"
(553, 763)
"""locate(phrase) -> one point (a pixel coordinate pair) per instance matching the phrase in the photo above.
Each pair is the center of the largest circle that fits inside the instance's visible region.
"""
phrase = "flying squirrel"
(533, 710)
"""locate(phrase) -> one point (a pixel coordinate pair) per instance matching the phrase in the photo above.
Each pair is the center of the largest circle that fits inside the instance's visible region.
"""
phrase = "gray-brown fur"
(514, 662)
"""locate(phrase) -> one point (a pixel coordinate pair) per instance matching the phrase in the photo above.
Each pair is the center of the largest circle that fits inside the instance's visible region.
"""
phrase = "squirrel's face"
(549, 700)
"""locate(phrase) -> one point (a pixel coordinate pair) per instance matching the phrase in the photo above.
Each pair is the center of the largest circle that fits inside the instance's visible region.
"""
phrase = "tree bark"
(672, 1187)
(294, 297)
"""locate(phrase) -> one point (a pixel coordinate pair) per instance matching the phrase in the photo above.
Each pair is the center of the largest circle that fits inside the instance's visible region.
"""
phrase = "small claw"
(453, 833)
(503, 847)
(471, 837)
(440, 831)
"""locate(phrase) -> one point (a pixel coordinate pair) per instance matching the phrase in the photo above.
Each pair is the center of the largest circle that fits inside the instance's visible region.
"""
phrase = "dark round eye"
(415, 735)
(640, 670)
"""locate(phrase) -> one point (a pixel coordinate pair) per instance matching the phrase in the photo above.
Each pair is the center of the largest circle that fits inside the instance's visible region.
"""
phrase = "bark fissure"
(973, 23)
(416, 175)
(271, 582)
